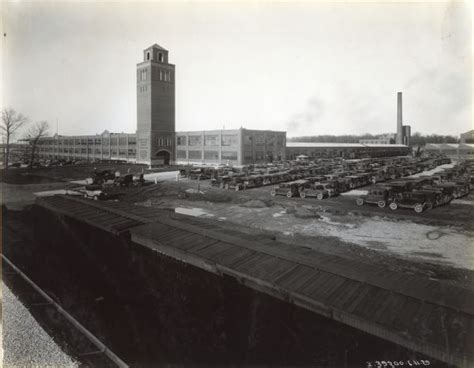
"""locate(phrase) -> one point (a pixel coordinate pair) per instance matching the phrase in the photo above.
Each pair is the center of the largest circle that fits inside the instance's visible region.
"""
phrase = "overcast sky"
(307, 68)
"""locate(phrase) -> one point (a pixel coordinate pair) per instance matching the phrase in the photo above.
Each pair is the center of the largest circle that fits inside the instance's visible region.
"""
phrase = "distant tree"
(11, 122)
(36, 132)
(417, 139)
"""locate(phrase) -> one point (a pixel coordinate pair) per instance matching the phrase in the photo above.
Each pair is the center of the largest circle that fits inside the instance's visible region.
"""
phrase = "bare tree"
(36, 132)
(11, 122)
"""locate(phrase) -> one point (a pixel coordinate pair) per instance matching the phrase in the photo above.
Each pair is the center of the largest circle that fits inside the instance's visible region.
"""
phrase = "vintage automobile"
(458, 189)
(94, 191)
(290, 189)
(319, 191)
(415, 200)
(253, 181)
(124, 181)
(101, 177)
(235, 183)
(438, 196)
(200, 173)
(447, 191)
(220, 181)
(378, 194)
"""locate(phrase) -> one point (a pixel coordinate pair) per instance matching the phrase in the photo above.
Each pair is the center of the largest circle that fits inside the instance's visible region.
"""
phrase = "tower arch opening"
(163, 157)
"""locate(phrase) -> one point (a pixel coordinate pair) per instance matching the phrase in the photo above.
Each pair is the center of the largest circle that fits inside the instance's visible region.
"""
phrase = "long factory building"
(156, 141)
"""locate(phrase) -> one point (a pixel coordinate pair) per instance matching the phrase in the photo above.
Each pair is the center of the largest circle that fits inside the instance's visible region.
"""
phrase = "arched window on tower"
(148, 55)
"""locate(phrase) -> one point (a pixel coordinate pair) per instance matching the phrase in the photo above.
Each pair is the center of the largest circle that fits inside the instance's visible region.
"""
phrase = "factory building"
(344, 150)
(236, 147)
(106, 146)
(467, 137)
(157, 143)
(452, 150)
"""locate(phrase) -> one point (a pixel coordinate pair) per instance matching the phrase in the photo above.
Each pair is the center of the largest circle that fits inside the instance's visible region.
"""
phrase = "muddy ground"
(436, 243)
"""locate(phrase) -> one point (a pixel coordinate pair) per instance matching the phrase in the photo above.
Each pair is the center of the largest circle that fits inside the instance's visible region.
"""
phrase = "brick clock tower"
(155, 108)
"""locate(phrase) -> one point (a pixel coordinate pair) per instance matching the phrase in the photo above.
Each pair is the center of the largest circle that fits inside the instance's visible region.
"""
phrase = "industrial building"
(156, 142)
(452, 150)
(105, 146)
(344, 150)
(467, 137)
(237, 147)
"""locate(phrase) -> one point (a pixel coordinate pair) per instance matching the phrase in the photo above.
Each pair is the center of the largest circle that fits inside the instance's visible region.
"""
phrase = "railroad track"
(100, 354)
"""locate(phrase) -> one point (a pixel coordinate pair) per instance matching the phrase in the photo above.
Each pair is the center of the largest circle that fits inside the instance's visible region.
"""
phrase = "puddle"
(355, 192)
(49, 193)
(463, 201)
(196, 212)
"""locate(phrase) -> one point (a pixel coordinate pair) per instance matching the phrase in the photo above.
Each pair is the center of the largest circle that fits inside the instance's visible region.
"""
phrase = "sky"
(305, 67)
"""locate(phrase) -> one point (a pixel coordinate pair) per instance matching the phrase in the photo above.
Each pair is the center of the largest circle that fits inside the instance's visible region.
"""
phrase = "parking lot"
(436, 240)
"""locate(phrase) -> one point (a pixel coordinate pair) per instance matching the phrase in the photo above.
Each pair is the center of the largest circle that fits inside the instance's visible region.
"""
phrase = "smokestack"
(399, 139)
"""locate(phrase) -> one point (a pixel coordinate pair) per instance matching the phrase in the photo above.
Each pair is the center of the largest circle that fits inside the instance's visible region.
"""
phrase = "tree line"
(12, 123)
(417, 139)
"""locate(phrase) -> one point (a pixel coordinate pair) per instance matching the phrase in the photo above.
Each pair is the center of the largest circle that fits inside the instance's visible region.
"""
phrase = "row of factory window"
(208, 155)
(122, 141)
(122, 152)
(228, 140)
(209, 140)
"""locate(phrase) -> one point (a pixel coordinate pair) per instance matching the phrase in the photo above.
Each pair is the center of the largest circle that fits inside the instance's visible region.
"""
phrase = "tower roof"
(156, 46)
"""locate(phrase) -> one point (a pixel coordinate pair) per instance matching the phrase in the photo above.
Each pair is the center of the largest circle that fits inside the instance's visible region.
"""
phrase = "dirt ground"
(437, 243)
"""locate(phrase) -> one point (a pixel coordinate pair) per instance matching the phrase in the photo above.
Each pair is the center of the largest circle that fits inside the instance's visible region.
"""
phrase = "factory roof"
(441, 146)
(336, 145)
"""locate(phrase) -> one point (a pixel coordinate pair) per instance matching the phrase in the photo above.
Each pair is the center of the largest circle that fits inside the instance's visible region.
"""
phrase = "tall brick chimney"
(399, 139)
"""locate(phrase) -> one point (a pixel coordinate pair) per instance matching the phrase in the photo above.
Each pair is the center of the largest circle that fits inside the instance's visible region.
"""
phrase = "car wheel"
(418, 208)
(393, 206)
(289, 194)
(381, 204)
(359, 201)
(273, 193)
(320, 196)
(302, 194)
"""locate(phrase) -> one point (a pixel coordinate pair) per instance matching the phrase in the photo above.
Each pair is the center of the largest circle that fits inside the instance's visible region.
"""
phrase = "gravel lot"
(25, 343)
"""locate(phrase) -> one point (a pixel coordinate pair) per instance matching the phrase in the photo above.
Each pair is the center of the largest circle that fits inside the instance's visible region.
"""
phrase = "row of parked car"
(332, 176)
(360, 174)
(100, 181)
(422, 193)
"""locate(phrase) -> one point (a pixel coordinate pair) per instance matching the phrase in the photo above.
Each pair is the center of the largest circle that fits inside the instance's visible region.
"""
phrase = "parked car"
(319, 191)
(95, 192)
(379, 195)
(290, 189)
(124, 181)
(414, 200)
(101, 177)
